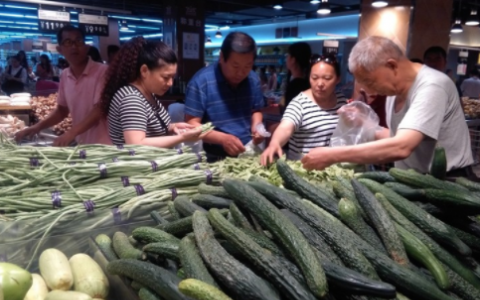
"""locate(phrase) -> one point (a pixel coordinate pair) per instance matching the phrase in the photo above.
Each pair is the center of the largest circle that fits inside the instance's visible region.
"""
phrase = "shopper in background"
(228, 94)
(44, 68)
(22, 56)
(263, 79)
(15, 77)
(273, 79)
(471, 87)
(80, 88)
(311, 117)
(34, 61)
(436, 58)
(112, 51)
(95, 54)
(423, 111)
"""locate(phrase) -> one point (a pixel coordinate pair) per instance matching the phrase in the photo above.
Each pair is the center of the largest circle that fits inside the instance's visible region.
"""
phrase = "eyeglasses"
(329, 59)
(70, 43)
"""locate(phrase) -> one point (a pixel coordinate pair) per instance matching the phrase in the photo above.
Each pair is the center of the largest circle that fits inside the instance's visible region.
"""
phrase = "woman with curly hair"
(142, 71)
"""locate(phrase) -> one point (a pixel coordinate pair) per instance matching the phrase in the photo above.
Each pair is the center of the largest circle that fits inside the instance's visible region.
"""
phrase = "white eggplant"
(55, 270)
(88, 277)
(39, 289)
(67, 295)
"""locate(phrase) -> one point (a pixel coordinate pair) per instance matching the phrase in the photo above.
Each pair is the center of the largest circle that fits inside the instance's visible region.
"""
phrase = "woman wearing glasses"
(311, 117)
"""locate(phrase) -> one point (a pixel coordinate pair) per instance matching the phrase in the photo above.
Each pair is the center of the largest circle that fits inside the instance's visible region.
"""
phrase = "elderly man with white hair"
(423, 110)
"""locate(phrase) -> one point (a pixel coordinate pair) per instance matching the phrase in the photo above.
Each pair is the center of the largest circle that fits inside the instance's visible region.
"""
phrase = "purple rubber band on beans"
(56, 199)
(199, 157)
(154, 166)
(34, 162)
(174, 193)
(209, 176)
(125, 181)
(140, 190)
(117, 216)
(196, 167)
(119, 147)
(179, 151)
(115, 159)
(131, 152)
(83, 154)
(103, 170)
(89, 205)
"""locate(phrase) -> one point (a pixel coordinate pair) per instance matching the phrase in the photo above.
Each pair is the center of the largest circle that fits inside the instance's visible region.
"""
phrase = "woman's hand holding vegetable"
(268, 156)
(179, 128)
(191, 135)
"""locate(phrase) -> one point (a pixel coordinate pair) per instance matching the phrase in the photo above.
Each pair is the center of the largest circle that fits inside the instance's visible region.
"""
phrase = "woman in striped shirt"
(141, 71)
(311, 117)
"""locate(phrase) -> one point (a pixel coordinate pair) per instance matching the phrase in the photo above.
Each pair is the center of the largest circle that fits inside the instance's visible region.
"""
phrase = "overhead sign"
(51, 20)
(93, 24)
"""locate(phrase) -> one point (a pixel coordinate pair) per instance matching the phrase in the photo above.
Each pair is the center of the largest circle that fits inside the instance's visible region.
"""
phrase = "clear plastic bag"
(250, 148)
(357, 124)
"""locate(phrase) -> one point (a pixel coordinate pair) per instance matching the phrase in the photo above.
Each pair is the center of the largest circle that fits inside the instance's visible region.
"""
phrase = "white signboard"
(191, 45)
(52, 15)
(92, 19)
(52, 48)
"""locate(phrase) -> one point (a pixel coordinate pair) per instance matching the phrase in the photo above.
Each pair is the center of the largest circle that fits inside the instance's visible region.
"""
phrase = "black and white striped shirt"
(313, 125)
(130, 110)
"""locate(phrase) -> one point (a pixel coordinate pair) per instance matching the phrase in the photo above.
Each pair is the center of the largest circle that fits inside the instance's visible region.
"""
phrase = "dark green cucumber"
(342, 247)
(238, 279)
(263, 241)
(422, 254)
(378, 176)
(192, 263)
(307, 190)
(471, 185)
(210, 201)
(260, 257)
(343, 189)
(315, 239)
(123, 248)
(186, 207)
(461, 287)
(405, 190)
(147, 294)
(443, 255)
(469, 239)
(239, 217)
(285, 231)
(136, 286)
(173, 212)
(438, 169)
(149, 235)
(164, 249)
(181, 227)
(206, 189)
(105, 244)
(162, 282)
(418, 180)
(401, 277)
(453, 198)
(200, 290)
(431, 225)
(351, 217)
(181, 273)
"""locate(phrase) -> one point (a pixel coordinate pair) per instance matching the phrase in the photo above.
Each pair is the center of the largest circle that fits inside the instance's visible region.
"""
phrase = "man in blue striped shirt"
(228, 94)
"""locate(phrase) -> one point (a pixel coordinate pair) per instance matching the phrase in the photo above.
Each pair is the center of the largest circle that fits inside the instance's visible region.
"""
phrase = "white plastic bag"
(250, 148)
(357, 124)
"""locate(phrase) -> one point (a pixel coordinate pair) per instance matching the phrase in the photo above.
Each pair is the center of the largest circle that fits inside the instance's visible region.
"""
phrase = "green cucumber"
(186, 207)
(149, 235)
(263, 241)
(405, 190)
(105, 244)
(421, 253)
(147, 294)
(164, 249)
(461, 287)
(426, 222)
(192, 263)
(162, 282)
(181, 227)
(307, 190)
(237, 278)
(351, 217)
(171, 209)
(260, 257)
(378, 176)
(443, 255)
(438, 169)
(402, 277)
(210, 201)
(136, 286)
(239, 217)
(418, 180)
(343, 189)
(206, 189)
(287, 234)
(200, 290)
(453, 198)
(181, 273)
(123, 248)
(469, 239)
(471, 185)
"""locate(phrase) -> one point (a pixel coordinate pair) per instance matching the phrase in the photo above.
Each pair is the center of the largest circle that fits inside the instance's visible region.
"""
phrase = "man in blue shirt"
(228, 94)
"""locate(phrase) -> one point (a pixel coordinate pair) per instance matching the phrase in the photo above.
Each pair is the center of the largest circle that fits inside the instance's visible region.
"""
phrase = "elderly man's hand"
(319, 158)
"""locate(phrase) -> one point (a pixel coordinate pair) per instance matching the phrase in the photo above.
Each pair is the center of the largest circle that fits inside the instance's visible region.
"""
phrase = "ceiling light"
(124, 26)
(20, 7)
(209, 40)
(11, 15)
(457, 27)
(278, 6)
(472, 19)
(152, 20)
(218, 35)
(125, 18)
(379, 3)
(324, 8)
(31, 17)
(315, 1)
(225, 28)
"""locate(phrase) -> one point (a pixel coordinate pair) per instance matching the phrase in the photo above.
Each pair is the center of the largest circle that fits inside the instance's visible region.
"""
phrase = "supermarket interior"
(239, 150)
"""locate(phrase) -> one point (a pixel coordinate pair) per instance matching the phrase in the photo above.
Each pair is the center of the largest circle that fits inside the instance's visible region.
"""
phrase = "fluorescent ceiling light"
(11, 15)
(146, 27)
(74, 21)
(278, 6)
(125, 18)
(457, 27)
(153, 35)
(224, 28)
(74, 13)
(315, 1)
(324, 8)
(211, 26)
(128, 31)
(26, 23)
(31, 17)
(19, 27)
(211, 29)
(379, 3)
(8, 22)
(21, 7)
(152, 20)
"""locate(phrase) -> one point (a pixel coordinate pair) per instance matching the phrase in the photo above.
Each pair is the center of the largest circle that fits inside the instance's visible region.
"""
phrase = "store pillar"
(184, 31)
(414, 25)
(113, 38)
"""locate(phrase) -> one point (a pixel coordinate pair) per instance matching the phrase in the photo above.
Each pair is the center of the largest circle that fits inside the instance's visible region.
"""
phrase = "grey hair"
(373, 52)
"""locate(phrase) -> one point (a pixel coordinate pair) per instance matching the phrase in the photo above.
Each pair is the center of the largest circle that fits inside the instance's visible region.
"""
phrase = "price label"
(94, 24)
(52, 15)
